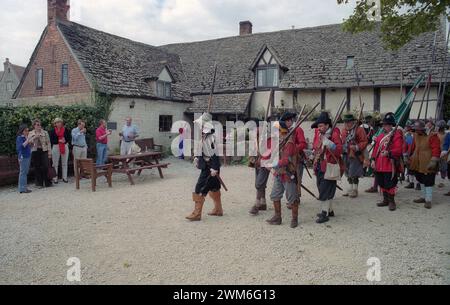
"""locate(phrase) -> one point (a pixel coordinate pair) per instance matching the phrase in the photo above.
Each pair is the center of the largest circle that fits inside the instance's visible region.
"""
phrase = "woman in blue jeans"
(23, 147)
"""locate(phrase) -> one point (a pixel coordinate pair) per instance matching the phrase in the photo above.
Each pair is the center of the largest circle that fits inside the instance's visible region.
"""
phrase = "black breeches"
(206, 183)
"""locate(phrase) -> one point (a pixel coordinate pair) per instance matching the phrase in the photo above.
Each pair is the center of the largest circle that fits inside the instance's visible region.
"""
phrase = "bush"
(12, 117)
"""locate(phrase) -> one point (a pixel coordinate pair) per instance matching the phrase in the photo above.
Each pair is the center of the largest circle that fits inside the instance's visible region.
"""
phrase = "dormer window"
(267, 76)
(164, 84)
(164, 89)
(267, 69)
(350, 62)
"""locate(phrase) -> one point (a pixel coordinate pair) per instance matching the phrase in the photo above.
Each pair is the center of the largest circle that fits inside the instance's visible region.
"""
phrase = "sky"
(158, 22)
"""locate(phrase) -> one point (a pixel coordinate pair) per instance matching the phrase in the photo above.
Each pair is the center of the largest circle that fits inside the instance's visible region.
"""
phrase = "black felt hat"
(324, 118)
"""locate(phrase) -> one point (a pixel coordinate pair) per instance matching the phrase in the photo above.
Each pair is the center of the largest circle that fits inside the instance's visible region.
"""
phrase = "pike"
(210, 101)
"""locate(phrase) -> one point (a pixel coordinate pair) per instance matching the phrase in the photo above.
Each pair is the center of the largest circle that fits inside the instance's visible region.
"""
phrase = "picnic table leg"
(159, 169)
(130, 177)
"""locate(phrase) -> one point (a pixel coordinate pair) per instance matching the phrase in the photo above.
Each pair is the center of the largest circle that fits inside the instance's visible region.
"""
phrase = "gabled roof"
(316, 58)
(261, 54)
(19, 70)
(120, 66)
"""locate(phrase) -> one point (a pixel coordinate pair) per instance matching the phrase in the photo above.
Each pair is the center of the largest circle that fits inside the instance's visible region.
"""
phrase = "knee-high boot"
(197, 213)
(216, 197)
(276, 219)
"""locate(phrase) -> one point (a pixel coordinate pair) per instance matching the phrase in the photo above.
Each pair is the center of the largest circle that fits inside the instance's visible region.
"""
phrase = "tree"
(401, 20)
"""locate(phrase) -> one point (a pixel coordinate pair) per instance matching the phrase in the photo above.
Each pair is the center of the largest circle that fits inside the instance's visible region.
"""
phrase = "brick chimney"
(245, 28)
(6, 64)
(58, 10)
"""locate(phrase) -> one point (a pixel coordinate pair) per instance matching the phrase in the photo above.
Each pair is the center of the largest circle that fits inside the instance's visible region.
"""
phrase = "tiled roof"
(120, 66)
(222, 103)
(18, 70)
(315, 58)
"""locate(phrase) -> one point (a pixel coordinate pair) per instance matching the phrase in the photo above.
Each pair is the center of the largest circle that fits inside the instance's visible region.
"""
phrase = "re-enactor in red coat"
(385, 159)
(327, 146)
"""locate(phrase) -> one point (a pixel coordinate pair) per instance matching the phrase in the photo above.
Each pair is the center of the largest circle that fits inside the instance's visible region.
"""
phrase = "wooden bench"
(9, 170)
(149, 145)
(87, 168)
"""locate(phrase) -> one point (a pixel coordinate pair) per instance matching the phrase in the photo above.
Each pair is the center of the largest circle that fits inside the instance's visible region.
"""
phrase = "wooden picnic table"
(130, 164)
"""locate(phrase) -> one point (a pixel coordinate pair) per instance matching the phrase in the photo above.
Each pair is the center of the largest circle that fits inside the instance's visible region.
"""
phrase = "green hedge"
(12, 117)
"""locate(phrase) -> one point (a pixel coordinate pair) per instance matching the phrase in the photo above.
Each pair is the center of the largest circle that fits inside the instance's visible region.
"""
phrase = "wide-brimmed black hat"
(389, 119)
(324, 118)
(288, 116)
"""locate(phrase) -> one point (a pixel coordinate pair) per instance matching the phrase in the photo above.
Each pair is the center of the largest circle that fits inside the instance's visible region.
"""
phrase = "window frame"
(165, 85)
(266, 68)
(39, 79)
(165, 123)
(66, 66)
(350, 59)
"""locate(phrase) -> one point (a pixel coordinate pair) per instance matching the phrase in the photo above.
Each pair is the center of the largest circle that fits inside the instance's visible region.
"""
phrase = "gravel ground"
(138, 235)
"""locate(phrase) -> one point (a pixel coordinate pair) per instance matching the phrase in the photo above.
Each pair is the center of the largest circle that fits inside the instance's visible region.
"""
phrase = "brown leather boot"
(420, 200)
(216, 197)
(197, 213)
(385, 201)
(428, 205)
(392, 205)
(294, 221)
(276, 219)
(255, 209)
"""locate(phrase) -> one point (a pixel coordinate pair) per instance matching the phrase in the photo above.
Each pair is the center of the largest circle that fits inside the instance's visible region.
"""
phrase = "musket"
(298, 123)
(358, 84)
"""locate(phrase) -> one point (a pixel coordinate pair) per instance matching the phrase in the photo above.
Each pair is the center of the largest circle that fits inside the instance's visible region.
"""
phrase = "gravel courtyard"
(138, 235)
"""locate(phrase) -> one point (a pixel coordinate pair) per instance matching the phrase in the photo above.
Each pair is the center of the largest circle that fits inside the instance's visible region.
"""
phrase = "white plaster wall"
(145, 116)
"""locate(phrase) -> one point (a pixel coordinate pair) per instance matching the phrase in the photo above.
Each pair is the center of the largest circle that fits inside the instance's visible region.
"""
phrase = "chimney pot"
(245, 28)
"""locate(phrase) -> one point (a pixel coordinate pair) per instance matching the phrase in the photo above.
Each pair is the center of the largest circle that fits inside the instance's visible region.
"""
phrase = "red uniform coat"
(287, 156)
(383, 164)
(360, 140)
(300, 141)
(331, 156)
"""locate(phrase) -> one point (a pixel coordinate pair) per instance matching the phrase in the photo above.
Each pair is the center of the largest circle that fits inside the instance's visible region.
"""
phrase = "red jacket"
(331, 156)
(383, 164)
(286, 156)
(300, 141)
(360, 140)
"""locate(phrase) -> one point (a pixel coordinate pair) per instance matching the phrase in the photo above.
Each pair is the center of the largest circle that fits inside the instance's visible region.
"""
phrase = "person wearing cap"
(285, 178)
(385, 156)
(327, 147)
(23, 148)
(355, 142)
(262, 172)
(424, 161)
(60, 138)
(207, 160)
(441, 132)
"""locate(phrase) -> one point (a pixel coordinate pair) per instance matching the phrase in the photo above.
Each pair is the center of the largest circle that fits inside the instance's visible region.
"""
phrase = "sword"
(222, 183)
